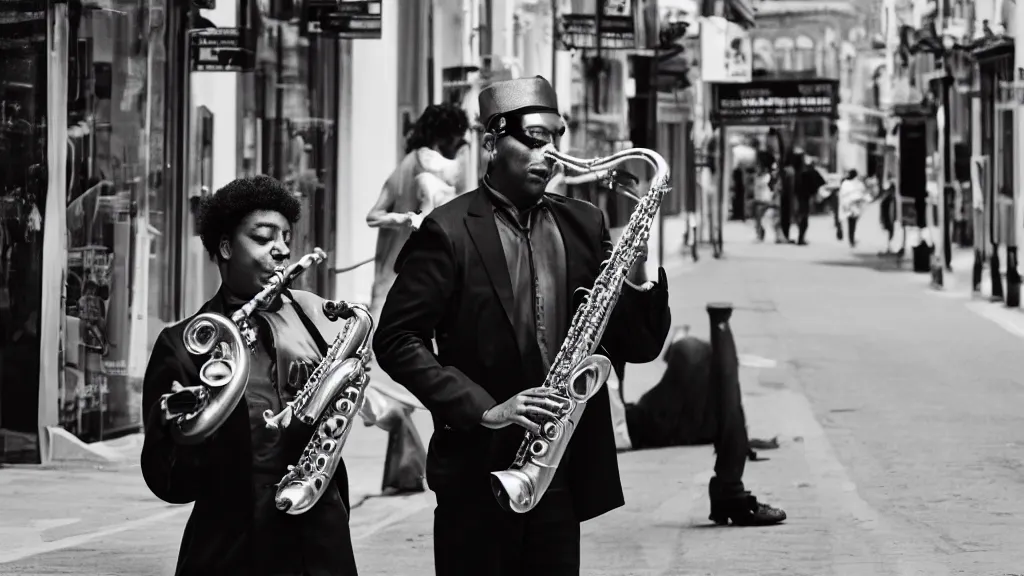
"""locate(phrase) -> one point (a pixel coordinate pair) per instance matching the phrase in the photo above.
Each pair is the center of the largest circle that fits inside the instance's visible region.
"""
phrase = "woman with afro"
(231, 477)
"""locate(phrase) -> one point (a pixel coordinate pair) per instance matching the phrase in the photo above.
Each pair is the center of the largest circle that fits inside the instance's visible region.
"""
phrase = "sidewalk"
(56, 506)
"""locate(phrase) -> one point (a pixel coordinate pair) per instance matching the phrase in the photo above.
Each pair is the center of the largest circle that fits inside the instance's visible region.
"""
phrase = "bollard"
(725, 385)
(1012, 278)
(979, 268)
(997, 276)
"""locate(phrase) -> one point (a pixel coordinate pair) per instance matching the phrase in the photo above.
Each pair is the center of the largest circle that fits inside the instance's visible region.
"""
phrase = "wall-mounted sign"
(725, 51)
(616, 25)
(344, 19)
(219, 50)
(769, 102)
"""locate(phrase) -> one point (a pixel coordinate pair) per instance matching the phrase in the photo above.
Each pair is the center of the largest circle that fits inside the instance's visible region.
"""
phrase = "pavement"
(896, 407)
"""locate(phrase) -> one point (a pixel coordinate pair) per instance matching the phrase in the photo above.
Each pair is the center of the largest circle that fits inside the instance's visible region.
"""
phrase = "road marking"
(72, 541)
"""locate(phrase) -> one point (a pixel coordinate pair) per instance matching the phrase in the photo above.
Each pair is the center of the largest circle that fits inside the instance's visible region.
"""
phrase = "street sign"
(219, 50)
(345, 19)
(616, 25)
(769, 102)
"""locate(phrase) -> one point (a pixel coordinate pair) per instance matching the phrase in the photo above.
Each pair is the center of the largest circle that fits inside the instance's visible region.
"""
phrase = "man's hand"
(415, 220)
(519, 409)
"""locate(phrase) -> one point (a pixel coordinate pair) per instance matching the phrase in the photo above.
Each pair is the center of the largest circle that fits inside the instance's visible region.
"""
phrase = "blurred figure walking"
(424, 179)
(853, 195)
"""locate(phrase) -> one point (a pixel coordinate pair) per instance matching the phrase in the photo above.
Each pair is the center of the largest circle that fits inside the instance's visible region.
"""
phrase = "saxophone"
(329, 401)
(196, 412)
(577, 373)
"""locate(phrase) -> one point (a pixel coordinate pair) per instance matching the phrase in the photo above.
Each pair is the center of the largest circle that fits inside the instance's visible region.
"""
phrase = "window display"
(108, 155)
(23, 188)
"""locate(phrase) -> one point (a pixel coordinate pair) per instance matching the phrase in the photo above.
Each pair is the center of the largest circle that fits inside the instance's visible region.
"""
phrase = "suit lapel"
(484, 232)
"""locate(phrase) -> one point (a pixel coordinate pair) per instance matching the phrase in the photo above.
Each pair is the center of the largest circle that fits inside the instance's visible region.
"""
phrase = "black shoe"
(746, 511)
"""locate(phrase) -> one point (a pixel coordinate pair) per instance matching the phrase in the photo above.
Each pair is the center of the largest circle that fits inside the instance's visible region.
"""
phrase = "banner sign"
(220, 50)
(344, 19)
(616, 25)
(768, 102)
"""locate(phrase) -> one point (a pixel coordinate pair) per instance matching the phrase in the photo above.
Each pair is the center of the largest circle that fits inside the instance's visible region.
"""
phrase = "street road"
(898, 413)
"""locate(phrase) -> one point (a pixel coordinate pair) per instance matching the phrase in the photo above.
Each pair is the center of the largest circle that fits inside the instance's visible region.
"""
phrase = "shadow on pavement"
(876, 262)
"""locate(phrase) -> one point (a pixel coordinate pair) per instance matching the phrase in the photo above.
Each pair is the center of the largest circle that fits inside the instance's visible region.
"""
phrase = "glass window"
(289, 114)
(107, 178)
(23, 187)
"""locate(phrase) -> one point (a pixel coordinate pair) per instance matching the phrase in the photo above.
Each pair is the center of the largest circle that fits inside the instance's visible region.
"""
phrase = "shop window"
(23, 188)
(288, 129)
(108, 178)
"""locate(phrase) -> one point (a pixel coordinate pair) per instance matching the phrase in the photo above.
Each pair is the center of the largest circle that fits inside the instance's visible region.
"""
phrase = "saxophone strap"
(311, 327)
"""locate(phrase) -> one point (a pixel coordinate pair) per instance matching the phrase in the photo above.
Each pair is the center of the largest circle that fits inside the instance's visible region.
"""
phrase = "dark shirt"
(535, 256)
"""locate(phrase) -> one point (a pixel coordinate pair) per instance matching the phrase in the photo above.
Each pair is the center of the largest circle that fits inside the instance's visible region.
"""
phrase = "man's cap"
(533, 94)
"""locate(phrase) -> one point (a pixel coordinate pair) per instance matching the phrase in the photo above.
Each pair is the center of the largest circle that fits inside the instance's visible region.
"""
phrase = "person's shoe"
(746, 511)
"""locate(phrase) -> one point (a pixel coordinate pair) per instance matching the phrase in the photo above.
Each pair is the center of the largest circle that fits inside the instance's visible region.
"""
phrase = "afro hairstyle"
(437, 123)
(219, 214)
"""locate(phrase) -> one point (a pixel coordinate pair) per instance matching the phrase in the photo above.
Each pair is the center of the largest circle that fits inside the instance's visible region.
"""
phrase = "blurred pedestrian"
(809, 181)
(853, 194)
(424, 179)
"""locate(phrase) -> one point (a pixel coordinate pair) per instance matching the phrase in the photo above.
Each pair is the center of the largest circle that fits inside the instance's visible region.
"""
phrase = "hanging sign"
(768, 102)
(219, 50)
(616, 25)
(344, 19)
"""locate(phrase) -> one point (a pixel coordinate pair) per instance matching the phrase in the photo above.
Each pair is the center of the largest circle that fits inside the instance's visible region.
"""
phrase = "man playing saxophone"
(231, 475)
(493, 276)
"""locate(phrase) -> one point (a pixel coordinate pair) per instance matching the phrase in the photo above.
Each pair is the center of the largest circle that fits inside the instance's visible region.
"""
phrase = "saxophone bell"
(517, 490)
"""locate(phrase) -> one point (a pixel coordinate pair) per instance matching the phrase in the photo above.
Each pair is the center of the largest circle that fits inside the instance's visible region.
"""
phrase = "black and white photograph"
(511, 288)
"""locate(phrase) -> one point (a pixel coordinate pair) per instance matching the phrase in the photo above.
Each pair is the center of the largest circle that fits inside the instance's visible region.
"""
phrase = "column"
(368, 125)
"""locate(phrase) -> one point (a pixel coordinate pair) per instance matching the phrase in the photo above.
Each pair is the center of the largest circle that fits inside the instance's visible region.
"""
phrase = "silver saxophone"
(329, 401)
(577, 373)
(196, 412)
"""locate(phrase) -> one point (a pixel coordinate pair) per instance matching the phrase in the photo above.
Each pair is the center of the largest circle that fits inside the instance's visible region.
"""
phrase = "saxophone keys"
(328, 446)
(334, 427)
(321, 462)
(344, 405)
(538, 448)
(551, 430)
(351, 393)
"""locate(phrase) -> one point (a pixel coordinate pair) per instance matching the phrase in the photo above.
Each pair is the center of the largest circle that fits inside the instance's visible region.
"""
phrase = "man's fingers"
(540, 411)
(542, 402)
(526, 423)
(538, 391)
(176, 387)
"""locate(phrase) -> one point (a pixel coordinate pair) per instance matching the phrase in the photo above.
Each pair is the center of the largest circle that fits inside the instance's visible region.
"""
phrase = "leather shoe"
(745, 511)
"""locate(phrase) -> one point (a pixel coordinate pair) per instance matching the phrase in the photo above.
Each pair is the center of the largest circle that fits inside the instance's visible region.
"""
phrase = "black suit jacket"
(217, 474)
(453, 285)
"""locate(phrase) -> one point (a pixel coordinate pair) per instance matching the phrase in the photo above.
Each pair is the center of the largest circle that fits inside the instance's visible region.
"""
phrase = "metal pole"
(554, 44)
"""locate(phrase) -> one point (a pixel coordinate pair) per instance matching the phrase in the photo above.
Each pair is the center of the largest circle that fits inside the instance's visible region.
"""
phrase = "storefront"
(100, 184)
(83, 159)
(23, 195)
